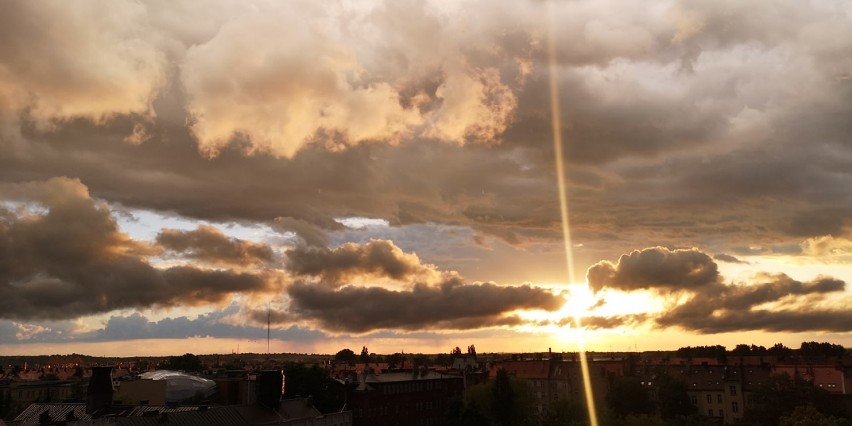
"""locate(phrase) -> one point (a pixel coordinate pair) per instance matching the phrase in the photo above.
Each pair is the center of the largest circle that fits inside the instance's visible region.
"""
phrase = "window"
(721, 413)
(709, 398)
(733, 389)
(735, 407)
(710, 413)
(719, 398)
(694, 399)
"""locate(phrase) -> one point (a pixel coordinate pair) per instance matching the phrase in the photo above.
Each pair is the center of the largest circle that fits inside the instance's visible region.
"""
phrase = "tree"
(185, 362)
(503, 398)
(301, 381)
(781, 394)
(503, 401)
(395, 360)
(565, 412)
(809, 416)
(345, 355)
(420, 360)
(443, 359)
(824, 349)
(627, 396)
(740, 350)
(716, 351)
(779, 350)
(461, 414)
(673, 399)
(365, 355)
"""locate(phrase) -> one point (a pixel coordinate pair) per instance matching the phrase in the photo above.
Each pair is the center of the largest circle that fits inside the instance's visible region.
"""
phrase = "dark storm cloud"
(378, 257)
(71, 260)
(451, 305)
(655, 268)
(208, 244)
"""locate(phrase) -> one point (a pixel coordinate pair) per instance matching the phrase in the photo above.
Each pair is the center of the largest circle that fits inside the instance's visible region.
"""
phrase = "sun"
(579, 300)
(566, 324)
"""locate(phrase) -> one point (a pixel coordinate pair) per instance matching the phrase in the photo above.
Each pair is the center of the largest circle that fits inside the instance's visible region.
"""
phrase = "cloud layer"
(68, 259)
(451, 305)
(681, 127)
(772, 302)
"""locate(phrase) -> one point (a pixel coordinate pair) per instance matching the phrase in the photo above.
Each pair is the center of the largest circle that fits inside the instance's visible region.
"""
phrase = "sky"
(176, 177)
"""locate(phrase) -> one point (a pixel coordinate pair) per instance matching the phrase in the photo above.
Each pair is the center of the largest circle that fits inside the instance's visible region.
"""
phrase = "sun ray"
(563, 205)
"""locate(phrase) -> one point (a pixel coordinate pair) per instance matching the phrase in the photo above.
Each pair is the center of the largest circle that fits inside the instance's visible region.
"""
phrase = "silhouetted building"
(406, 398)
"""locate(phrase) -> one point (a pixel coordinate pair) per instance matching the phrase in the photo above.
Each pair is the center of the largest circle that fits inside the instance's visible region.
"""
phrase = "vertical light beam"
(556, 123)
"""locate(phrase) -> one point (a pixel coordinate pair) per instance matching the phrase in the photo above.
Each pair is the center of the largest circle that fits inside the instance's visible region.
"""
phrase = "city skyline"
(175, 179)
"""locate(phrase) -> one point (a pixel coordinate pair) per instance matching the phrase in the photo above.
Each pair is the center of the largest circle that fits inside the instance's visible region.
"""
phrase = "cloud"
(596, 322)
(677, 128)
(727, 308)
(451, 305)
(827, 246)
(137, 326)
(775, 303)
(680, 122)
(378, 258)
(655, 268)
(309, 233)
(134, 326)
(72, 260)
(209, 244)
(320, 83)
(722, 257)
(77, 69)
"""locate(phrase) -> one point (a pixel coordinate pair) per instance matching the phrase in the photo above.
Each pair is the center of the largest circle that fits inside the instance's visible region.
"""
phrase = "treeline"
(397, 359)
(809, 349)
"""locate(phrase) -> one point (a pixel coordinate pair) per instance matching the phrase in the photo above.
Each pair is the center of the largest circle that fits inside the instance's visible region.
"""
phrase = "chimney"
(99, 393)
(270, 386)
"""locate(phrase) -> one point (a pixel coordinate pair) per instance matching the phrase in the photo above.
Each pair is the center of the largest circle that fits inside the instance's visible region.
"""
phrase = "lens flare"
(556, 123)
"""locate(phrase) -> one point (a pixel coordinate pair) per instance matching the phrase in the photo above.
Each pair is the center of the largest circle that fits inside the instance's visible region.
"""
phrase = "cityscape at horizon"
(293, 177)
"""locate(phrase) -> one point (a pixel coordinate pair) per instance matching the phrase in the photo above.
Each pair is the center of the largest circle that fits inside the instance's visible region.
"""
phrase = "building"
(554, 378)
(100, 409)
(420, 397)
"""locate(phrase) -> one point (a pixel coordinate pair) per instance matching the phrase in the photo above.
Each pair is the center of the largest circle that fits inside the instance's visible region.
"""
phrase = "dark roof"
(137, 415)
(213, 416)
(57, 412)
(142, 415)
